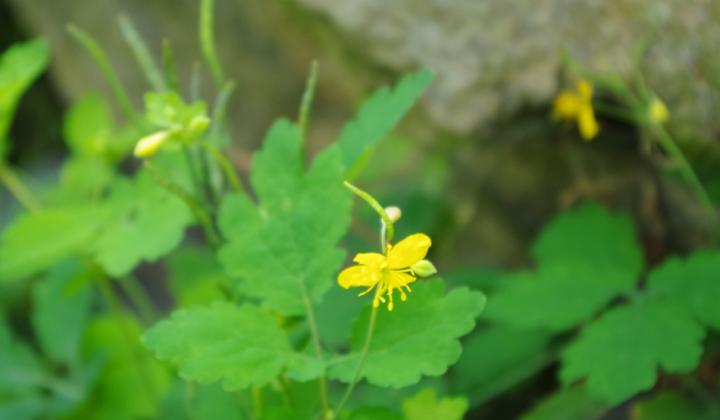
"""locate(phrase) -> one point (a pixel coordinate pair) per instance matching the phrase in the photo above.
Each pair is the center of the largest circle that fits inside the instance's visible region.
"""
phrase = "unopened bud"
(199, 124)
(424, 268)
(658, 112)
(149, 145)
(394, 213)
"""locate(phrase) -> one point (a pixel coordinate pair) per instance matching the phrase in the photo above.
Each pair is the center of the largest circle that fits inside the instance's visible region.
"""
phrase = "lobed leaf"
(425, 405)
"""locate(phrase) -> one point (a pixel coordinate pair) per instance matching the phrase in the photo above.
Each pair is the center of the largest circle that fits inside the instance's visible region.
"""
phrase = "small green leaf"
(420, 337)
(240, 346)
(35, 241)
(88, 125)
(20, 65)
(496, 358)
(692, 283)
(590, 235)
(556, 297)
(567, 404)
(377, 117)
(425, 405)
(284, 249)
(621, 352)
(61, 304)
(147, 222)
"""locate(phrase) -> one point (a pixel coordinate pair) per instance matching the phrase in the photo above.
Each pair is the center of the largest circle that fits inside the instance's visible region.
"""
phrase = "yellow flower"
(577, 105)
(389, 271)
(657, 111)
(150, 144)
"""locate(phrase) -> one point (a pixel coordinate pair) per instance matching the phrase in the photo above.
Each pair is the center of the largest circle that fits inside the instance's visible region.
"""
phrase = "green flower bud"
(424, 268)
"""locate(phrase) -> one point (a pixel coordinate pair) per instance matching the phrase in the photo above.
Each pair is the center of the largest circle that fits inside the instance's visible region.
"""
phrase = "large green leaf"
(35, 241)
(419, 337)
(61, 305)
(425, 405)
(621, 352)
(693, 283)
(284, 248)
(20, 65)
(87, 126)
(196, 277)
(240, 346)
(377, 117)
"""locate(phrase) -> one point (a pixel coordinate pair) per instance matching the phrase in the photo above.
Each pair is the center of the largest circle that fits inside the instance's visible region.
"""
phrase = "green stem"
(686, 170)
(361, 362)
(202, 216)
(307, 100)
(315, 333)
(375, 206)
(139, 298)
(225, 165)
(18, 189)
(207, 41)
(141, 53)
(104, 62)
(169, 67)
(192, 168)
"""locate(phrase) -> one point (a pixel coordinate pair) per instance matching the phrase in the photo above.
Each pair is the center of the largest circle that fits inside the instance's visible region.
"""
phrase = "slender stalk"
(107, 69)
(202, 216)
(225, 165)
(192, 168)
(139, 298)
(361, 362)
(207, 41)
(169, 67)
(315, 333)
(378, 209)
(686, 170)
(141, 53)
(307, 100)
(18, 189)
(220, 113)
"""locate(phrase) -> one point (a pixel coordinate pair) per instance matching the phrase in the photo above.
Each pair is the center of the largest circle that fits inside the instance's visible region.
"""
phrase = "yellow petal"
(358, 276)
(585, 90)
(369, 258)
(398, 279)
(587, 123)
(566, 105)
(408, 251)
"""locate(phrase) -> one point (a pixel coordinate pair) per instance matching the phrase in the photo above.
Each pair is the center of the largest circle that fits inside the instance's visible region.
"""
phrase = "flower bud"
(657, 111)
(394, 213)
(424, 268)
(198, 125)
(150, 144)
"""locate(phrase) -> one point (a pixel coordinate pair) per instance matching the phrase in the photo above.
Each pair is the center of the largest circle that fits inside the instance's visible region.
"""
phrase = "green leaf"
(61, 304)
(692, 283)
(377, 117)
(496, 358)
(567, 404)
(147, 223)
(35, 241)
(200, 402)
(420, 337)
(19, 365)
(669, 405)
(592, 236)
(556, 297)
(240, 346)
(196, 277)
(88, 125)
(76, 187)
(132, 383)
(621, 352)
(20, 65)
(425, 405)
(374, 413)
(284, 248)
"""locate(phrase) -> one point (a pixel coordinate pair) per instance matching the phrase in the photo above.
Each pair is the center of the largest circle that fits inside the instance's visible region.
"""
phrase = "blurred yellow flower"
(577, 105)
(150, 144)
(389, 271)
(657, 111)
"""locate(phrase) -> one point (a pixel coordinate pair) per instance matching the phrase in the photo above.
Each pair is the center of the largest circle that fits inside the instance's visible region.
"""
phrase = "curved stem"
(315, 333)
(378, 209)
(18, 189)
(361, 362)
(207, 41)
(225, 165)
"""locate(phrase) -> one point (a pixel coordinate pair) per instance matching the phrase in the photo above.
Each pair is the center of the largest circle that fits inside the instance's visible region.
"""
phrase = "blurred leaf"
(377, 117)
(82, 180)
(147, 222)
(420, 337)
(61, 305)
(196, 277)
(567, 404)
(613, 252)
(200, 402)
(496, 358)
(284, 248)
(87, 126)
(692, 283)
(668, 405)
(25, 406)
(19, 365)
(169, 111)
(35, 241)
(425, 405)
(335, 315)
(240, 346)
(555, 297)
(374, 413)
(621, 352)
(131, 383)
(20, 65)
